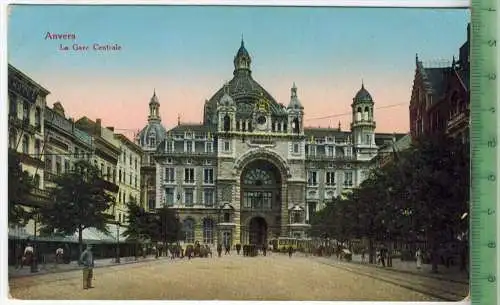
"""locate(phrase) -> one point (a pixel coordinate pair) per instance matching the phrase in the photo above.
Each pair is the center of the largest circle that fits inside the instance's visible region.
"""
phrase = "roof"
(127, 142)
(185, 127)
(363, 95)
(25, 77)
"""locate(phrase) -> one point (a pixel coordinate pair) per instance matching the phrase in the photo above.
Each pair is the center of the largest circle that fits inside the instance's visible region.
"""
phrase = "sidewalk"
(98, 263)
(452, 274)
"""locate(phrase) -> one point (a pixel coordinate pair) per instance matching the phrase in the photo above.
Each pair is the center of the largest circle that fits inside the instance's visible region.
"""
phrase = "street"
(275, 277)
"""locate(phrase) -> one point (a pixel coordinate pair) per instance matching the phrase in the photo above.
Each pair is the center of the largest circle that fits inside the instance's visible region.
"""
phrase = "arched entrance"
(261, 200)
(258, 231)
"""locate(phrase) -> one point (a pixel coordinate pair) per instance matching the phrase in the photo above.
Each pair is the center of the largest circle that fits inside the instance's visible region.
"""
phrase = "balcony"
(322, 157)
(49, 176)
(109, 186)
(30, 160)
(38, 197)
(457, 121)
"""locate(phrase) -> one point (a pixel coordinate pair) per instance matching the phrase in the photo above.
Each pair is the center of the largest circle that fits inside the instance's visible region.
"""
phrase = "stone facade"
(251, 171)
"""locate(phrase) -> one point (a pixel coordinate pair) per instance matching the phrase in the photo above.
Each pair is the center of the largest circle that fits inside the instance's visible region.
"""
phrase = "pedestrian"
(363, 255)
(219, 249)
(87, 260)
(418, 256)
(59, 255)
(290, 251)
(264, 250)
(228, 249)
(28, 255)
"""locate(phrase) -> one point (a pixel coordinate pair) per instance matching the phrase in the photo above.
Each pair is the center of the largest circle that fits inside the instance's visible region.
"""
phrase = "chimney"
(97, 126)
(98, 122)
(111, 128)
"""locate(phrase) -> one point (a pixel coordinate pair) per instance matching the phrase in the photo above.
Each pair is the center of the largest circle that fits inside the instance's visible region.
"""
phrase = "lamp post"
(34, 260)
(117, 242)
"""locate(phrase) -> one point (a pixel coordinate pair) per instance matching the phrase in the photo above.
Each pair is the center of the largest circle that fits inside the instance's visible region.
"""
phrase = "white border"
(4, 129)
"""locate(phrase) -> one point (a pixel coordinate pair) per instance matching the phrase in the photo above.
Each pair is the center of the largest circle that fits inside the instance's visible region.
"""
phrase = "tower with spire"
(363, 124)
(154, 108)
(295, 113)
(242, 60)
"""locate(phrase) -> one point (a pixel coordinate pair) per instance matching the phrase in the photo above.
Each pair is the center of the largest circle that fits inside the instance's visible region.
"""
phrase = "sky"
(185, 54)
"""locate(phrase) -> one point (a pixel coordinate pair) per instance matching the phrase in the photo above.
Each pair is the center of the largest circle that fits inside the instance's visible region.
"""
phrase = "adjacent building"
(252, 171)
(440, 97)
(27, 101)
(106, 152)
(129, 176)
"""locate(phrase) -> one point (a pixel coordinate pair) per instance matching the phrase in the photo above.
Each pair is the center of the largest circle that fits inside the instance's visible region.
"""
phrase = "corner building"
(251, 171)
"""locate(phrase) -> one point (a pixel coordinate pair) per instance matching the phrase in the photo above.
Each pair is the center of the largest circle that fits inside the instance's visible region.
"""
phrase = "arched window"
(188, 229)
(208, 231)
(366, 114)
(358, 114)
(296, 125)
(227, 123)
(152, 140)
(258, 177)
(26, 143)
(13, 138)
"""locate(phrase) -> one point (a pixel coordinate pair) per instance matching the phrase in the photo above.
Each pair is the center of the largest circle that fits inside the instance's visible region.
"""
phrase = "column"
(237, 213)
(284, 211)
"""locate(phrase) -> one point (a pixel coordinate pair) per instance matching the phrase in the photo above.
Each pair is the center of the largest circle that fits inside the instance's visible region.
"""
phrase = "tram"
(282, 244)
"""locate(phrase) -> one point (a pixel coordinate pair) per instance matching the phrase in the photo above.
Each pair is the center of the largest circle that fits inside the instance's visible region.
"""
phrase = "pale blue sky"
(187, 52)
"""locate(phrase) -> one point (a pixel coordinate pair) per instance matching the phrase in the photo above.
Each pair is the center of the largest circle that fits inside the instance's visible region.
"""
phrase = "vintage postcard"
(183, 152)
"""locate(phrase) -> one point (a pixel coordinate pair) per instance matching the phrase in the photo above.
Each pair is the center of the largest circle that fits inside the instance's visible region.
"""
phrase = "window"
(120, 176)
(169, 197)
(312, 178)
(58, 165)
(296, 148)
(170, 175)
(130, 178)
(189, 175)
(348, 151)
(347, 178)
(312, 208)
(135, 181)
(12, 105)
(227, 217)
(169, 147)
(188, 197)
(209, 147)
(36, 180)
(135, 161)
(109, 172)
(329, 151)
(188, 228)
(37, 148)
(208, 231)
(227, 123)
(330, 178)
(66, 166)
(208, 197)
(258, 177)
(26, 144)
(152, 140)
(257, 200)
(189, 146)
(368, 139)
(26, 111)
(48, 164)
(296, 217)
(13, 139)
(227, 146)
(208, 176)
(38, 119)
(312, 150)
(151, 203)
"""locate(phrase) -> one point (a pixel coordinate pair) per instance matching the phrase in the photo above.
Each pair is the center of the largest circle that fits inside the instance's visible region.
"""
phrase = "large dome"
(245, 92)
(151, 135)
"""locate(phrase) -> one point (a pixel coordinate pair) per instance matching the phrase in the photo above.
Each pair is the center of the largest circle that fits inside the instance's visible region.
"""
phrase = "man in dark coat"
(219, 249)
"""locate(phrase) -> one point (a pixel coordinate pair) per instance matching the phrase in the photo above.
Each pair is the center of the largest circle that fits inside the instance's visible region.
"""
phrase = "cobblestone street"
(274, 277)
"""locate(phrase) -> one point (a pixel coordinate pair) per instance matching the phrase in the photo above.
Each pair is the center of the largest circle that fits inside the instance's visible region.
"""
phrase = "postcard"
(238, 152)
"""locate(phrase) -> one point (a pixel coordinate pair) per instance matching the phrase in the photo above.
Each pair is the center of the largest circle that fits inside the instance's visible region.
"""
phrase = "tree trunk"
(371, 251)
(80, 242)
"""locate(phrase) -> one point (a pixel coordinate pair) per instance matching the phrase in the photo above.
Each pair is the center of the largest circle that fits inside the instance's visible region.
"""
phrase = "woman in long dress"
(418, 255)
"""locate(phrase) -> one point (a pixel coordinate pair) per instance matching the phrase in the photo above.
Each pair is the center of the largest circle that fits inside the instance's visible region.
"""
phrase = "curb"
(391, 269)
(11, 276)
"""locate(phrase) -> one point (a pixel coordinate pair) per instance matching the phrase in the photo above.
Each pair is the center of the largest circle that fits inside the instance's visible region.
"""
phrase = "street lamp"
(34, 260)
(117, 242)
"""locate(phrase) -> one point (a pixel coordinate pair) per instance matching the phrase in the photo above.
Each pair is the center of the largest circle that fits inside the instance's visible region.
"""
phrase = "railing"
(321, 157)
(457, 119)
(49, 176)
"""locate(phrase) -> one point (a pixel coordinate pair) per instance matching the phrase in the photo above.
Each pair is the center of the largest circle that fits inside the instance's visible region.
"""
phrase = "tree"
(20, 185)
(165, 226)
(138, 224)
(79, 202)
